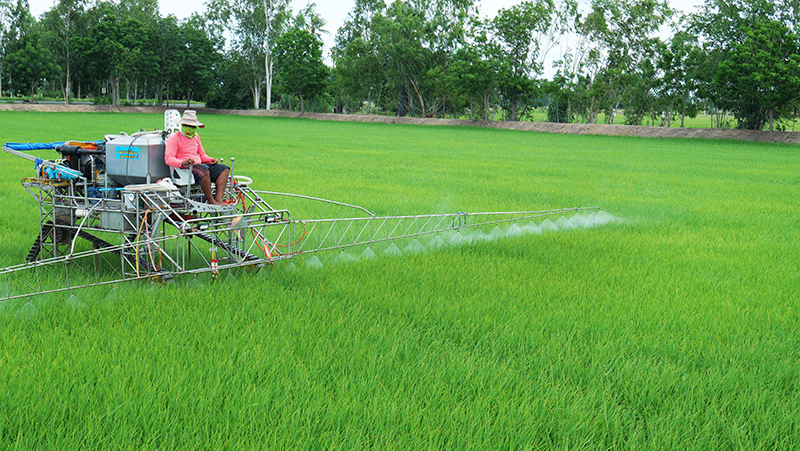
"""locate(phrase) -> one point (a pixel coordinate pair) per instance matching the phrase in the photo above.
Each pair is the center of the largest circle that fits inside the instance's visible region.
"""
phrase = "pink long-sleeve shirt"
(179, 148)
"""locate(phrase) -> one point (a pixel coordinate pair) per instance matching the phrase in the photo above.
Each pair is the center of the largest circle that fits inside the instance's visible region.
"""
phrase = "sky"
(333, 11)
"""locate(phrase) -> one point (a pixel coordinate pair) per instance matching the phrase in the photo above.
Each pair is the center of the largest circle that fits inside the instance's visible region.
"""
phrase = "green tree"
(255, 26)
(198, 59)
(20, 22)
(361, 73)
(28, 62)
(138, 62)
(233, 89)
(761, 76)
(5, 23)
(359, 68)
(731, 28)
(62, 24)
(299, 66)
(101, 49)
(17, 22)
(641, 100)
(678, 60)
(560, 99)
(309, 19)
(525, 33)
(571, 93)
(514, 29)
(167, 48)
(31, 65)
(143, 11)
(473, 70)
(402, 35)
(623, 31)
(401, 53)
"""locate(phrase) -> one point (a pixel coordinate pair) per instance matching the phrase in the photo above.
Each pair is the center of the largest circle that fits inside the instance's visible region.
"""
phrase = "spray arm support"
(55, 168)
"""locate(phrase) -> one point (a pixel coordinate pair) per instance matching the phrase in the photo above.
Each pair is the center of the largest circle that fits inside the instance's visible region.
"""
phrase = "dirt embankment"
(547, 127)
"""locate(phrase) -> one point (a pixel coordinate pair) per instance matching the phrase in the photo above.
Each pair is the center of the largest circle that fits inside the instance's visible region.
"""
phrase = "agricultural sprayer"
(112, 211)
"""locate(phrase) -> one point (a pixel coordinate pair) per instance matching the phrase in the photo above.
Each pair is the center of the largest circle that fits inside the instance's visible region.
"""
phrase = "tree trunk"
(421, 102)
(268, 100)
(513, 109)
(268, 53)
(669, 116)
(771, 119)
(68, 86)
(486, 106)
(160, 92)
(569, 110)
(114, 87)
(683, 112)
(255, 88)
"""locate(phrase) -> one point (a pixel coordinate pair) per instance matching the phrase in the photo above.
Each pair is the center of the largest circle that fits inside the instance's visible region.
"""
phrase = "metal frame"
(153, 232)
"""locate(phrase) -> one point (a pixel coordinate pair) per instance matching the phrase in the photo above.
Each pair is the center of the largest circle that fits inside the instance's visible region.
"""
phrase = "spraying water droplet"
(415, 246)
(436, 243)
(578, 221)
(344, 257)
(6, 292)
(392, 250)
(112, 295)
(458, 238)
(532, 228)
(314, 262)
(290, 268)
(368, 253)
(497, 232)
(563, 223)
(27, 312)
(547, 225)
(75, 303)
(230, 278)
(605, 218)
(514, 230)
(195, 284)
(478, 235)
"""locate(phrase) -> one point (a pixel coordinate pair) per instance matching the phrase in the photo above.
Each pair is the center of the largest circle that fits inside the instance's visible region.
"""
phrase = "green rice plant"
(673, 327)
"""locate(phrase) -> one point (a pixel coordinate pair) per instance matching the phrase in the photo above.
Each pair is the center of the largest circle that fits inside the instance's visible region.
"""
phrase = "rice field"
(672, 327)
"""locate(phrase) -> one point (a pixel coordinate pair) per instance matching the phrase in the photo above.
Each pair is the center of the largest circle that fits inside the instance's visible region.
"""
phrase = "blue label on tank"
(128, 152)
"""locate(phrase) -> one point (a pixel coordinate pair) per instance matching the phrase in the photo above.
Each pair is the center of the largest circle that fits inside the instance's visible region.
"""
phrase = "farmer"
(184, 150)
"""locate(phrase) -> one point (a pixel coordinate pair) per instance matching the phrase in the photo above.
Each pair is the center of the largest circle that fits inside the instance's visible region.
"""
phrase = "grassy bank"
(674, 328)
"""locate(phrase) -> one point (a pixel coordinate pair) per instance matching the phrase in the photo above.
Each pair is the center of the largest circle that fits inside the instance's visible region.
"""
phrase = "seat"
(182, 177)
(172, 121)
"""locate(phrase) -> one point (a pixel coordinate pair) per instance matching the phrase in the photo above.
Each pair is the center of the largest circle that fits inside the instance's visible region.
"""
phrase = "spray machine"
(111, 210)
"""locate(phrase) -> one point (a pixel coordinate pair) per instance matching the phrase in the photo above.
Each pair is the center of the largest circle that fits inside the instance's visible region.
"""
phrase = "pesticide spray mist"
(465, 235)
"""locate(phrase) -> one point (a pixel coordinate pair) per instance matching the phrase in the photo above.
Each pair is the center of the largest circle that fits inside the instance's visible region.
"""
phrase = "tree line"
(636, 62)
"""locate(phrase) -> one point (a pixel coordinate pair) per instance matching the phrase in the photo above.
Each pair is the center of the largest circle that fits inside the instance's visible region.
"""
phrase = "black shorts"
(215, 170)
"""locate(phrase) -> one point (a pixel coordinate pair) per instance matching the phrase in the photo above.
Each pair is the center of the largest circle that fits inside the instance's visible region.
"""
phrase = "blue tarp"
(33, 146)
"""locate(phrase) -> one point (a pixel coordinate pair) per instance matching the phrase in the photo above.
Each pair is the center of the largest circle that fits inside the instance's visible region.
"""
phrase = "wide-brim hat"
(190, 118)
